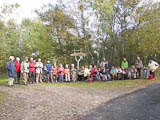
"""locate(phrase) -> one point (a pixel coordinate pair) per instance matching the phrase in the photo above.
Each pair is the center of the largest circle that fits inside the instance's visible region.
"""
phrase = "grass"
(116, 83)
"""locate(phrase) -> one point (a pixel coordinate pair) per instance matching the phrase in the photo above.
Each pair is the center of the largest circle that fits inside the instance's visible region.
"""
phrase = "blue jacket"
(48, 68)
(11, 69)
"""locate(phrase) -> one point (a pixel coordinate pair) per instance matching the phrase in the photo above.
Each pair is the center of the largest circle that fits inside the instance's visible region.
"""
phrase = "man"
(25, 70)
(32, 70)
(153, 66)
(11, 71)
(107, 66)
(139, 66)
(124, 67)
(39, 66)
(17, 70)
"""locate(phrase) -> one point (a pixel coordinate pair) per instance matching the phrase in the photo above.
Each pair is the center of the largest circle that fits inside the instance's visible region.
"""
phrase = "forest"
(103, 29)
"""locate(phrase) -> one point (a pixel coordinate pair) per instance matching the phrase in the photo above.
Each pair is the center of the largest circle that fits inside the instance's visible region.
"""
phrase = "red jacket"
(32, 67)
(17, 66)
(60, 71)
(93, 72)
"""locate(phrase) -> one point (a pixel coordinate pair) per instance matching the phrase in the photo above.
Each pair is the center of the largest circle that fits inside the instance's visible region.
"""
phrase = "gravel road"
(49, 102)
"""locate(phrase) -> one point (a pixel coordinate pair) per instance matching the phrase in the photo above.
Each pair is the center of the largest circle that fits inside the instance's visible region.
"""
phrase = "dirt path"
(143, 104)
(42, 102)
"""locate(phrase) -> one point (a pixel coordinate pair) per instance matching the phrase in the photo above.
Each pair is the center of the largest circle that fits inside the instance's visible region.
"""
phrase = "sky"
(27, 7)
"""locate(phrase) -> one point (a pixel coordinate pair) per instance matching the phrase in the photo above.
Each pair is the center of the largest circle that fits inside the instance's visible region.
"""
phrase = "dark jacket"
(11, 69)
(48, 68)
(108, 67)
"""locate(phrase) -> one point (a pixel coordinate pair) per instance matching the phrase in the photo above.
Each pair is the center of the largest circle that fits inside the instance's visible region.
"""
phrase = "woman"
(73, 73)
(17, 70)
(39, 67)
(11, 71)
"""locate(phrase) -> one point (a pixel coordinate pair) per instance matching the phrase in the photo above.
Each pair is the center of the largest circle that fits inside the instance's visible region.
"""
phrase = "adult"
(25, 70)
(61, 73)
(73, 73)
(39, 67)
(107, 66)
(48, 70)
(139, 66)
(11, 71)
(32, 70)
(124, 67)
(17, 70)
(153, 66)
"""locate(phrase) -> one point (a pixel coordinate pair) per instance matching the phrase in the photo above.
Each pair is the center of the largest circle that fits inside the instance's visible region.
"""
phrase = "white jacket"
(39, 67)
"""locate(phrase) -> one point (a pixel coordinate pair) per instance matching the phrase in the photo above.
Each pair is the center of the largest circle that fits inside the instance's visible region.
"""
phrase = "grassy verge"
(120, 83)
(116, 83)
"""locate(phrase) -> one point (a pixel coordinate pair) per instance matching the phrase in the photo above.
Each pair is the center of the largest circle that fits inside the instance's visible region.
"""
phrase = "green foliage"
(103, 29)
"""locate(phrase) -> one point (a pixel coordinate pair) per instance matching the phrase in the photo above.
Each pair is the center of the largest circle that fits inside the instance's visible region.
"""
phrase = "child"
(81, 74)
(54, 73)
(113, 73)
(119, 73)
(61, 73)
(134, 72)
(86, 72)
(67, 73)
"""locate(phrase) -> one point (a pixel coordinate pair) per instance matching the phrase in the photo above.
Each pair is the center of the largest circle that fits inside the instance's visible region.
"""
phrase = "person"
(67, 73)
(134, 72)
(25, 70)
(124, 67)
(86, 72)
(113, 73)
(104, 74)
(81, 74)
(54, 72)
(61, 73)
(11, 71)
(32, 70)
(73, 73)
(17, 70)
(119, 73)
(97, 73)
(153, 66)
(39, 67)
(107, 66)
(93, 71)
(139, 66)
(48, 69)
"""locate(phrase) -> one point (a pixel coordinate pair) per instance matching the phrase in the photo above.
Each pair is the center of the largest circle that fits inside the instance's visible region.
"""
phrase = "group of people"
(34, 72)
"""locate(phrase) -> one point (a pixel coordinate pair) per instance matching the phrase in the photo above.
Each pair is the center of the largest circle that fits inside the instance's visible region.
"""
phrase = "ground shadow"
(143, 104)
